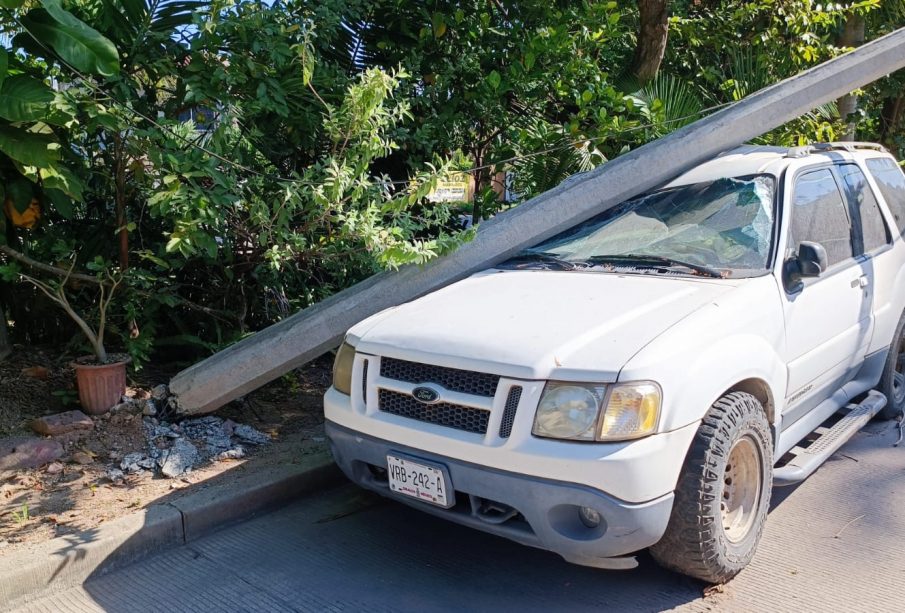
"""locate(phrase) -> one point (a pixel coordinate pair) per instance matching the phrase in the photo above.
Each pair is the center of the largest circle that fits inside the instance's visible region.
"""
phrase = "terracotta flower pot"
(100, 385)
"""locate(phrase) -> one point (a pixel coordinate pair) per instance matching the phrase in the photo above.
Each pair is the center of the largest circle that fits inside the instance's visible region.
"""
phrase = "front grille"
(453, 379)
(441, 413)
(515, 394)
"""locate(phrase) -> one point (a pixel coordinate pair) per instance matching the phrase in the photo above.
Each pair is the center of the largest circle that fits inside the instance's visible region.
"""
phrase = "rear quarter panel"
(889, 273)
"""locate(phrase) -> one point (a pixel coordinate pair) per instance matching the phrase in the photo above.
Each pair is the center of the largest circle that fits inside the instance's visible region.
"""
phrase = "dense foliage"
(222, 163)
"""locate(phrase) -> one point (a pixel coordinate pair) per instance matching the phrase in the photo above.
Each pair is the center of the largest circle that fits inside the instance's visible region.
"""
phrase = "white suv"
(644, 378)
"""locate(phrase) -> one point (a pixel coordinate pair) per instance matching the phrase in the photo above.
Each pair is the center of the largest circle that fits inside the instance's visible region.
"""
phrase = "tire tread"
(691, 542)
(886, 380)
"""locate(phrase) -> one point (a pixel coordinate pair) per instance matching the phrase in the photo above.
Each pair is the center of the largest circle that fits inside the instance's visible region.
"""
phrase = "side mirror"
(812, 260)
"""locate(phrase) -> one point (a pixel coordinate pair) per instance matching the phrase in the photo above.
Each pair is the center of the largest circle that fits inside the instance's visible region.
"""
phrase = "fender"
(689, 392)
(735, 339)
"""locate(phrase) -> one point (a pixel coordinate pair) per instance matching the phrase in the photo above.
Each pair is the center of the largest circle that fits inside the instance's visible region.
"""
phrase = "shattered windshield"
(717, 228)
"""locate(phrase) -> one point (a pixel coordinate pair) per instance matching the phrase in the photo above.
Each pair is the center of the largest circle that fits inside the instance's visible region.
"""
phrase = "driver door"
(828, 318)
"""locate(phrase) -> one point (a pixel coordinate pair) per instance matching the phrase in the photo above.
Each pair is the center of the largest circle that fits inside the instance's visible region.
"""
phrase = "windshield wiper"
(654, 261)
(541, 257)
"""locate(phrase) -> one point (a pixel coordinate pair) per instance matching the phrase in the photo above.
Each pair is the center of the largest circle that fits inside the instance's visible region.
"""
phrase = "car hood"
(534, 324)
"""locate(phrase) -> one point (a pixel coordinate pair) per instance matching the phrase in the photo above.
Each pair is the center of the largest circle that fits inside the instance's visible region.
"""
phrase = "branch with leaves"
(53, 270)
(107, 280)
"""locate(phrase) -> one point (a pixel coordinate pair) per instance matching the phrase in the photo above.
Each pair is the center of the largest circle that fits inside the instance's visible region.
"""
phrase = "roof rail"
(851, 146)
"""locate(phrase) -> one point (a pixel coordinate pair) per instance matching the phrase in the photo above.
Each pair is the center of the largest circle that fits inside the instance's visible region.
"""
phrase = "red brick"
(28, 452)
(62, 423)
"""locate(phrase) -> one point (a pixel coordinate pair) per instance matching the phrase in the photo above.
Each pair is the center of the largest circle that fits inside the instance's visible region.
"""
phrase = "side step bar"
(809, 459)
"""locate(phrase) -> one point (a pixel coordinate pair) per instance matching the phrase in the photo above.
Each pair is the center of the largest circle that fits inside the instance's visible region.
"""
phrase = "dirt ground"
(40, 504)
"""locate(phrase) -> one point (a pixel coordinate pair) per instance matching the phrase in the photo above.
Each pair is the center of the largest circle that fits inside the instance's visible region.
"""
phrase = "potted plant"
(101, 376)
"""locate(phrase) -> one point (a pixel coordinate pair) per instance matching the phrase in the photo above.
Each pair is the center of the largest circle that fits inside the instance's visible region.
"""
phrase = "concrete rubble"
(178, 459)
(174, 449)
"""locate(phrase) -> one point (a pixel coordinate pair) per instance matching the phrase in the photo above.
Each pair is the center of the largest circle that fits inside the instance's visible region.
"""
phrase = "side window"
(819, 215)
(865, 211)
(891, 182)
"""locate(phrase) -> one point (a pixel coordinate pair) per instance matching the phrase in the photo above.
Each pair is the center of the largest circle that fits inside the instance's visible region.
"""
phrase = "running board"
(809, 459)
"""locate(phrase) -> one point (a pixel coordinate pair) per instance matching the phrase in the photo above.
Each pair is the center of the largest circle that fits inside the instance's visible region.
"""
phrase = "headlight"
(632, 411)
(342, 368)
(568, 411)
(585, 412)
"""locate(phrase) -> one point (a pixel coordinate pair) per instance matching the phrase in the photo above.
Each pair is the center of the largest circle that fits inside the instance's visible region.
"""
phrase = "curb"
(67, 561)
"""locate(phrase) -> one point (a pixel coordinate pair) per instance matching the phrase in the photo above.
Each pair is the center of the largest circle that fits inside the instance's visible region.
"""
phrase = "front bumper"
(541, 513)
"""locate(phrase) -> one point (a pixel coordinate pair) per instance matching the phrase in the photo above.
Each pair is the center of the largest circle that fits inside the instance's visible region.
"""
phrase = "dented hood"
(537, 324)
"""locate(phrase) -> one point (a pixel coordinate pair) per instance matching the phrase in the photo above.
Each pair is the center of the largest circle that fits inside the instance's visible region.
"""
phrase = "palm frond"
(670, 102)
(746, 72)
(554, 157)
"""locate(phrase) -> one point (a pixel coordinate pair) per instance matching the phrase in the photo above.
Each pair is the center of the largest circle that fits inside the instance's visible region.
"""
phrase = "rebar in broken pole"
(274, 351)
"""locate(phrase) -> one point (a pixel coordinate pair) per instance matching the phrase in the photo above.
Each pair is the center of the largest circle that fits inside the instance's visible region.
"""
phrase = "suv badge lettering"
(426, 395)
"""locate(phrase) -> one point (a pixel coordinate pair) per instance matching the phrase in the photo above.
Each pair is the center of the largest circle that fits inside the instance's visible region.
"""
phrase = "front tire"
(723, 493)
(892, 382)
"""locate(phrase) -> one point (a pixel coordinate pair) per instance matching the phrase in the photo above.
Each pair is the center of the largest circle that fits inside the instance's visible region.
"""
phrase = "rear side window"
(891, 182)
(819, 215)
(865, 211)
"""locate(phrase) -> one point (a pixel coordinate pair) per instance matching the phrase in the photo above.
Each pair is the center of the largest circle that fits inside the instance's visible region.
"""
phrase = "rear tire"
(723, 493)
(892, 382)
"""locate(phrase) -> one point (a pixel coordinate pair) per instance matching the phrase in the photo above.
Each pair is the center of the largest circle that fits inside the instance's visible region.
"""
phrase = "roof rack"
(850, 146)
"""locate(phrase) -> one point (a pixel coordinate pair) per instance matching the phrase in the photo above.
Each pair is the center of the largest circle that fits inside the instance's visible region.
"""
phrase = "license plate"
(426, 483)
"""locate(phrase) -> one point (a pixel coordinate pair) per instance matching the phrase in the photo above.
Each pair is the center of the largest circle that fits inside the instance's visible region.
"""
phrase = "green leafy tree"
(269, 198)
(495, 80)
(37, 167)
(232, 161)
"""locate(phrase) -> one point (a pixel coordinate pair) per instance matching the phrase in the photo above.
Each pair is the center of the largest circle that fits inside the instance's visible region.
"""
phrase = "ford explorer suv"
(643, 379)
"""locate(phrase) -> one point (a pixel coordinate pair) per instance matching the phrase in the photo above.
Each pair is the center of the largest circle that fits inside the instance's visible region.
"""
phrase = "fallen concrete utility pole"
(302, 337)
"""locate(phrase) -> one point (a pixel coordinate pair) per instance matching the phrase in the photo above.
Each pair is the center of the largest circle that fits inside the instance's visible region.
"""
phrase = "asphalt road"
(834, 543)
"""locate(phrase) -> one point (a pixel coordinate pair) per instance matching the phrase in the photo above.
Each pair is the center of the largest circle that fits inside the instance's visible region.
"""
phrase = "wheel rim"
(741, 489)
(898, 377)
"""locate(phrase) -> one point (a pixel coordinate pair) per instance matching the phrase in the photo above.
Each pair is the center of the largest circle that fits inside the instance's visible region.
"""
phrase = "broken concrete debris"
(170, 449)
(249, 435)
(137, 462)
(174, 449)
(160, 393)
(115, 475)
(179, 459)
(150, 409)
(235, 453)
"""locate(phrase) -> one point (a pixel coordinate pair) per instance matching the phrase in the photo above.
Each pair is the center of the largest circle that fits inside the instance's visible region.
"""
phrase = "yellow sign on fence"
(458, 188)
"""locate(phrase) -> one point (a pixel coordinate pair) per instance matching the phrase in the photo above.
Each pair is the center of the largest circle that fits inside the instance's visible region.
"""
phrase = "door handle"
(863, 281)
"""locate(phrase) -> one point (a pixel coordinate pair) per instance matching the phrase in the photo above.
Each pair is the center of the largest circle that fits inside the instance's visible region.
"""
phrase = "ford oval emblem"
(426, 395)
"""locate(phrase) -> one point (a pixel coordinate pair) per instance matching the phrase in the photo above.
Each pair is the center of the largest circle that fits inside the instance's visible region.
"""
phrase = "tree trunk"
(651, 45)
(481, 179)
(119, 171)
(5, 347)
(891, 120)
(852, 36)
